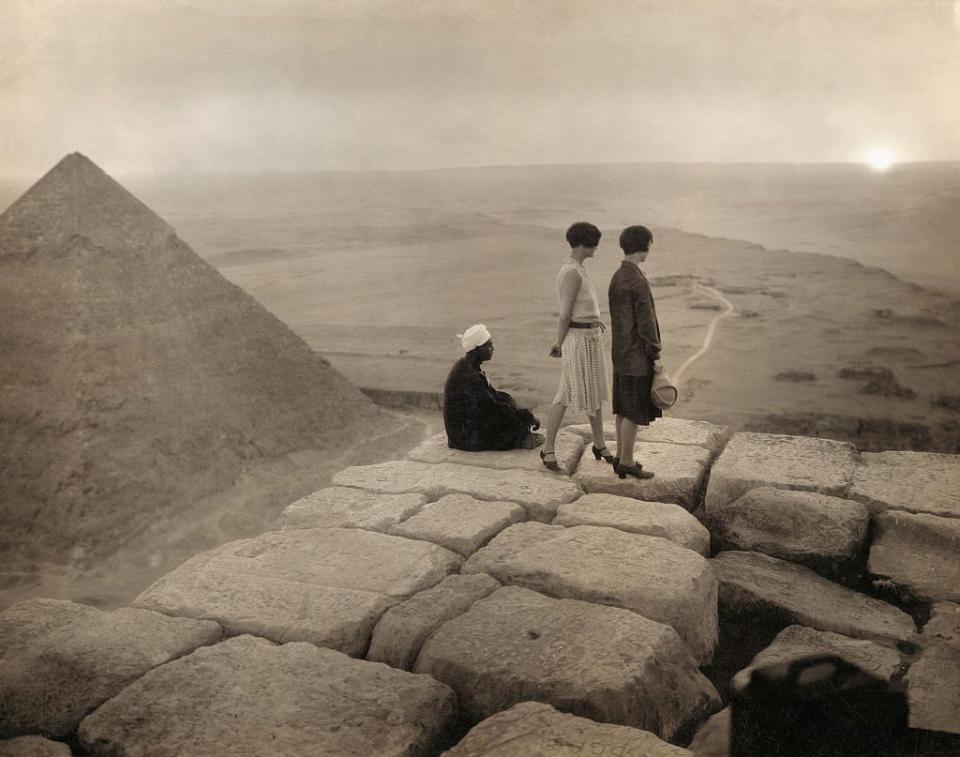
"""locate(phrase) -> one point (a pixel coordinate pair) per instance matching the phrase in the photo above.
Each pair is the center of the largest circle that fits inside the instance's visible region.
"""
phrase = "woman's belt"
(584, 325)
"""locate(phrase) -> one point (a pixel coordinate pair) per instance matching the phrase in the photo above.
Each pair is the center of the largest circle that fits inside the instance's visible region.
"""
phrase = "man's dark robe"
(478, 417)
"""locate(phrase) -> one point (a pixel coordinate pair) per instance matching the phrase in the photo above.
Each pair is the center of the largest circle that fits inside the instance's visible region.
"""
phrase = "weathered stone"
(679, 471)
(33, 746)
(649, 575)
(247, 696)
(343, 507)
(325, 586)
(756, 588)
(666, 430)
(59, 660)
(918, 482)
(539, 493)
(460, 523)
(591, 660)
(825, 533)
(751, 460)
(933, 689)
(404, 628)
(533, 729)
(918, 553)
(881, 660)
(636, 516)
(944, 624)
(713, 738)
(435, 450)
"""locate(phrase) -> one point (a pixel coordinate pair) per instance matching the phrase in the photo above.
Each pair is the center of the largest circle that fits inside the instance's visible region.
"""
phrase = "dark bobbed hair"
(635, 239)
(583, 233)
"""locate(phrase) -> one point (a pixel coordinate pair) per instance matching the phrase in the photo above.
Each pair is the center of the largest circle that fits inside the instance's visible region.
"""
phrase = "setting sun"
(880, 159)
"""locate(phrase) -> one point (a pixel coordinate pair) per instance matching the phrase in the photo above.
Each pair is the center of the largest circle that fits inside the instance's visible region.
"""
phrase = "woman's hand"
(555, 351)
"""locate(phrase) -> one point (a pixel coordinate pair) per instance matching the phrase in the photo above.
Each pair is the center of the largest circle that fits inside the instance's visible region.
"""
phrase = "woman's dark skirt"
(631, 399)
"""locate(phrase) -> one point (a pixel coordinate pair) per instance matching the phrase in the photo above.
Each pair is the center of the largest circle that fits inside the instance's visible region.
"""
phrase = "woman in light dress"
(583, 368)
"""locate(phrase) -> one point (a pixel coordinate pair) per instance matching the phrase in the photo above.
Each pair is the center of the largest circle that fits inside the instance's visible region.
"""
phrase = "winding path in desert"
(711, 329)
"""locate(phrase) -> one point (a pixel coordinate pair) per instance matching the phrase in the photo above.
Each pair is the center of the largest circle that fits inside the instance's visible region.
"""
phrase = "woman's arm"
(569, 288)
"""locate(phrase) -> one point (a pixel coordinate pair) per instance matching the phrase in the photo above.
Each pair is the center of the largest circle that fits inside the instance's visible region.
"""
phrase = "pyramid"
(134, 379)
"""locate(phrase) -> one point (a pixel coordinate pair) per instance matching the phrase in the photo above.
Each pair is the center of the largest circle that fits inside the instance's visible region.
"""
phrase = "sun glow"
(879, 159)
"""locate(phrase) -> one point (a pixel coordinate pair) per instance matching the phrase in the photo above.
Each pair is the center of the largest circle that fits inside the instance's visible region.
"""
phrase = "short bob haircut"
(583, 234)
(635, 239)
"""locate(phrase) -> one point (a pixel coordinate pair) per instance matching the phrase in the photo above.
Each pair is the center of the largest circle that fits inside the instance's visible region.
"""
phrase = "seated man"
(476, 416)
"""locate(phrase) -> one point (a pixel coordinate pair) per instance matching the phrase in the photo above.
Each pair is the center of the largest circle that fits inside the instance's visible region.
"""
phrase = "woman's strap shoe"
(549, 464)
(636, 470)
(603, 452)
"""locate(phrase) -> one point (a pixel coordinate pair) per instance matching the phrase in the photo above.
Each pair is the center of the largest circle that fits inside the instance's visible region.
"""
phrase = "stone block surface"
(401, 632)
(751, 460)
(825, 533)
(343, 507)
(662, 519)
(247, 696)
(756, 588)
(933, 689)
(59, 660)
(713, 738)
(679, 472)
(918, 553)
(534, 729)
(435, 450)
(325, 586)
(538, 493)
(918, 482)
(666, 430)
(943, 625)
(591, 660)
(647, 574)
(460, 523)
(33, 746)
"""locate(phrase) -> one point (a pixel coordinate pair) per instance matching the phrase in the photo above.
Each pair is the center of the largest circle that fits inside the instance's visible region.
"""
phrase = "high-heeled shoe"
(549, 464)
(603, 452)
(636, 470)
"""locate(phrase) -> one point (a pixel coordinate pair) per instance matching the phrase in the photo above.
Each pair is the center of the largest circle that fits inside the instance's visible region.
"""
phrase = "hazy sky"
(157, 85)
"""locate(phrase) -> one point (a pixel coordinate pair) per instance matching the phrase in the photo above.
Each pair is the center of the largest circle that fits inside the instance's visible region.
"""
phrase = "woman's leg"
(554, 418)
(596, 425)
(619, 423)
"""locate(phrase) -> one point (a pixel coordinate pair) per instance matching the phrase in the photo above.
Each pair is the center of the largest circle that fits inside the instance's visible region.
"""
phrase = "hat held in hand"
(663, 393)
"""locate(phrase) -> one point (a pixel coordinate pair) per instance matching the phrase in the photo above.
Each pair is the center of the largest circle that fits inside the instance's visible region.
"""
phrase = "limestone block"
(933, 689)
(825, 533)
(649, 575)
(460, 523)
(666, 430)
(343, 507)
(248, 696)
(33, 746)
(59, 660)
(636, 516)
(918, 482)
(538, 493)
(713, 738)
(679, 471)
(944, 624)
(404, 628)
(918, 553)
(793, 642)
(591, 660)
(533, 729)
(435, 450)
(325, 586)
(751, 460)
(756, 588)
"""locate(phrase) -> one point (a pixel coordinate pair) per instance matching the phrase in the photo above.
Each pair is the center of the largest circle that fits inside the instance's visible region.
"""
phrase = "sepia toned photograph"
(480, 378)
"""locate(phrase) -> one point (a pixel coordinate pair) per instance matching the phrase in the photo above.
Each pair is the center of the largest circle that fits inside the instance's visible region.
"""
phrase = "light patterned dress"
(583, 365)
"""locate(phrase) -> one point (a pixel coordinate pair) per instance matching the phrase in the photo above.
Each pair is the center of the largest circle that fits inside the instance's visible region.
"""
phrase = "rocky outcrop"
(568, 449)
(713, 737)
(918, 482)
(943, 625)
(59, 660)
(325, 586)
(403, 629)
(343, 507)
(249, 696)
(649, 575)
(917, 556)
(539, 493)
(824, 533)
(772, 593)
(933, 689)
(669, 521)
(533, 729)
(600, 662)
(33, 746)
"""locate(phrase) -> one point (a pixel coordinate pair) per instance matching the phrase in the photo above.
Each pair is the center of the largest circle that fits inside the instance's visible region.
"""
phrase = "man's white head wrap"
(474, 337)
